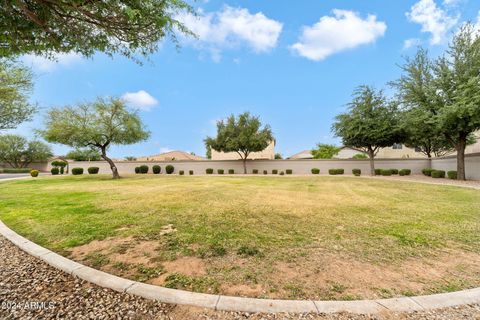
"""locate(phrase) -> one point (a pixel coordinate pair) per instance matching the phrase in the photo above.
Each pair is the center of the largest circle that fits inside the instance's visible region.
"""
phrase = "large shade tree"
(18, 152)
(15, 87)
(417, 94)
(127, 27)
(370, 123)
(243, 134)
(97, 125)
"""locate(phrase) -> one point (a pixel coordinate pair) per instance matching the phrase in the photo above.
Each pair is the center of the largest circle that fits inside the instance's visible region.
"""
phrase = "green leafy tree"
(86, 154)
(242, 134)
(417, 94)
(82, 26)
(458, 92)
(18, 152)
(371, 123)
(278, 156)
(360, 156)
(97, 125)
(325, 151)
(15, 89)
(208, 153)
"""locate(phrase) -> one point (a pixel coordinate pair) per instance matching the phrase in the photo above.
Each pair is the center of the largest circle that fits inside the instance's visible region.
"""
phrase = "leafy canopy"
(371, 122)
(15, 87)
(19, 153)
(325, 151)
(96, 125)
(242, 134)
(86, 154)
(126, 27)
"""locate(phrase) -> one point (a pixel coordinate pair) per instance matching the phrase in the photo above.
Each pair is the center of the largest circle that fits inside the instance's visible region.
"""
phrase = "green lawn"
(289, 237)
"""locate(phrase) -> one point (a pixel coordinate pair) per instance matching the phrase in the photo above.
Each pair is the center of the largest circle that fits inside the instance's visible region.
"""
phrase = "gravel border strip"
(228, 303)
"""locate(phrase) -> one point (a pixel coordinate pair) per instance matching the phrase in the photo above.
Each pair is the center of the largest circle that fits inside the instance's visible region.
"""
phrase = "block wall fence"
(472, 163)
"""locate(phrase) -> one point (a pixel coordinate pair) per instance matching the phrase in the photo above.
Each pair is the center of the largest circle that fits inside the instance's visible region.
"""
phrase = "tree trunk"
(371, 155)
(112, 165)
(460, 148)
(244, 165)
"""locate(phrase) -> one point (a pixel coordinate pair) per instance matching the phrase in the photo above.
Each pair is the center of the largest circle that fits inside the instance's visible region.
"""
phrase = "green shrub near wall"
(386, 172)
(169, 169)
(209, 171)
(15, 170)
(452, 175)
(220, 171)
(335, 171)
(378, 172)
(231, 171)
(289, 171)
(55, 171)
(34, 173)
(77, 171)
(356, 172)
(427, 171)
(394, 171)
(255, 171)
(438, 174)
(137, 170)
(274, 171)
(404, 172)
(93, 170)
(156, 169)
(340, 171)
(181, 172)
(315, 171)
(190, 172)
(282, 173)
(265, 172)
(62, 170)
(143, 169)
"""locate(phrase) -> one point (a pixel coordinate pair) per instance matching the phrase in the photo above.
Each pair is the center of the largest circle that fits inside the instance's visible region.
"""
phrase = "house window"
(397, 146)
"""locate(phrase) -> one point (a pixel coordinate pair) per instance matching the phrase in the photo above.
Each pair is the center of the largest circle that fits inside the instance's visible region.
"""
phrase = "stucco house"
(171, 155)
(266, 154)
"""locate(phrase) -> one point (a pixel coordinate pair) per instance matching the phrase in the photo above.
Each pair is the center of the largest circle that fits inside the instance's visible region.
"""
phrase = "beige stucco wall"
(472, 165)
(399, 153)
(267, 153)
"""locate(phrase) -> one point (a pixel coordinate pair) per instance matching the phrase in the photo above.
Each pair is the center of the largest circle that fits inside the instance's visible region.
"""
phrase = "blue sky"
(294, 64)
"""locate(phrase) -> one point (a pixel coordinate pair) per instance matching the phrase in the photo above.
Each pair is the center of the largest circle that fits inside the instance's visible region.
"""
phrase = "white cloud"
(412, 42)
(232, 28)
(433, 19)
(46, 65)
(141, 100)
(345, 30)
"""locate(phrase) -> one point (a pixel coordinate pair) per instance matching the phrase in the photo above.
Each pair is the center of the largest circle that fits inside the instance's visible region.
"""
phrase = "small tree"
(15, 89)
(96, 125)
(85, 27)
(242, 134)
(278, 156)
(85, 154)
(371, 123)
(325, 151)
(19, 153)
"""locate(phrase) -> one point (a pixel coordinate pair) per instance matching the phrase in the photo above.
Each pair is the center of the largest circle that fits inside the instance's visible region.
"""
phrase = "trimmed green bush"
(438, 174)
(404, 172)
(282, 173)
(340, 171)
(181, 172)
(34, 173)
(394, 171)
(289, 171)
(62, 170)
(137, 170)
(220, 171)
(427, 171)
(93, 170)
(356, 172)
(143, 169)
(378, 172)
(231, 171)
(386, 172)
(274, 171)
(255, 171)
(16, 170)
(336, 171)
(315, 171)
(452, 175)
(54, 171)
(156, 169)
(209, 171)
(190, 172)
(265, 172)
(169, 169)
(77, 171)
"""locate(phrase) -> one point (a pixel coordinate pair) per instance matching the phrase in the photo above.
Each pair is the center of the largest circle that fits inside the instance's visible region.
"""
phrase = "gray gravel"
(31, 289)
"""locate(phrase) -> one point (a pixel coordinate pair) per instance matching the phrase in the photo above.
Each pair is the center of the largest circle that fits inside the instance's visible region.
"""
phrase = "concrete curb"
(227, 303)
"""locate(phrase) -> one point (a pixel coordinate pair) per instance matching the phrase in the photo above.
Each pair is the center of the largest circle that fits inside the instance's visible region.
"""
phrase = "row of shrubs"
(156, 169)
(439, 173)
(75, 171)
(391, 172)
(15, 170)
